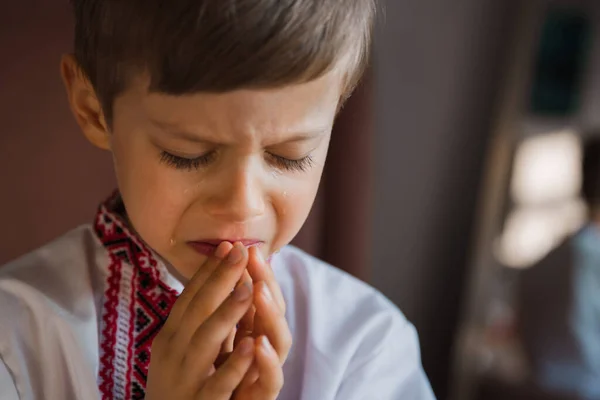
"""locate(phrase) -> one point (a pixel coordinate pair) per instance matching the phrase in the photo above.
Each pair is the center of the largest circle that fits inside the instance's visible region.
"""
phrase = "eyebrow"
(305, 136)
(195, 138)
(180, 133)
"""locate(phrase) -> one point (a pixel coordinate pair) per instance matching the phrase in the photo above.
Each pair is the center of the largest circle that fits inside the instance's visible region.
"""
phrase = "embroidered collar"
(136, 303)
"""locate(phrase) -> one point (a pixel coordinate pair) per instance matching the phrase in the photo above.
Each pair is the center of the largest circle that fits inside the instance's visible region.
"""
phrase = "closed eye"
(187, 164)
(191, 164)
(302, 164)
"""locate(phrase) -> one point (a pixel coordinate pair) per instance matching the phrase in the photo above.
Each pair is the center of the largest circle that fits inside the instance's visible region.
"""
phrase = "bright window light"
(531, 232)
(547, 169)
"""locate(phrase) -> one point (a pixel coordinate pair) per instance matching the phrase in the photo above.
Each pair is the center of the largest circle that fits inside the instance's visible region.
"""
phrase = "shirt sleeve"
(392, 372)
(8, 390)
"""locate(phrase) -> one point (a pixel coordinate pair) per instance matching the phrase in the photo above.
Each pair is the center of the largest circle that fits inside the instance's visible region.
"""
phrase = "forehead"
(300, 107)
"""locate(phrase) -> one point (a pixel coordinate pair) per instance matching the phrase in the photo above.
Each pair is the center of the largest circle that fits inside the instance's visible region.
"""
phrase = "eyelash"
(286, 164)
(190, 164)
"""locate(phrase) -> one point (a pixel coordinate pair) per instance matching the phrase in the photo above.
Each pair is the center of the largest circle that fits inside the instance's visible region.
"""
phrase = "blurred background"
(461, 181)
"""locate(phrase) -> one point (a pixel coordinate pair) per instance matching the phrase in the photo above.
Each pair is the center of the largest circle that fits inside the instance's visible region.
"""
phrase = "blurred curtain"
(338, 228)
(439, 67)
(51, 179)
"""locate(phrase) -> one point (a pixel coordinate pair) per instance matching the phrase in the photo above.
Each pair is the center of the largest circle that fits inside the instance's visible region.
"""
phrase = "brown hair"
(188, 46)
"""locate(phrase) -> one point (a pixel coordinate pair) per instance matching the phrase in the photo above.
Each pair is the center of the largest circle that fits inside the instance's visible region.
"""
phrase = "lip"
(207, 247)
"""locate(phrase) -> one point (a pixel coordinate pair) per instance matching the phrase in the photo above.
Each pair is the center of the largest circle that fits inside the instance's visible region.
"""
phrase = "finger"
(204, 346)
(193, 286)
(228, 377)
(246, 324)
(211, 295)
(249, 380)
(246, 276)
(259, 270)
(228, 345)
(271, 322)
(221, 358)
(270, 374)
(245, 328)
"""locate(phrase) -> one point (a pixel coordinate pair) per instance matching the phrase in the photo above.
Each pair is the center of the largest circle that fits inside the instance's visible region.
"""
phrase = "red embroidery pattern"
(136, 304)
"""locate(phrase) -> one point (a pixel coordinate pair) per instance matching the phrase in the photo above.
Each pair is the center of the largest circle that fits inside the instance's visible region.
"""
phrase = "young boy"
(218, 116)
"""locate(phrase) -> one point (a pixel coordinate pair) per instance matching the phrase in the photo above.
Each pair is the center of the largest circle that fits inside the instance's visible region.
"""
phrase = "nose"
(239, 197)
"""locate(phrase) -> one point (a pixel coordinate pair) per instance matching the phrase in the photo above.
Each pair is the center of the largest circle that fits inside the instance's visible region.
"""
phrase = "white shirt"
(349, 341)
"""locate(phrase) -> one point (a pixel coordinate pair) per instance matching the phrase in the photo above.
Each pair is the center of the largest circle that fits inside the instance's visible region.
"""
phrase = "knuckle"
(275, 387)
(287, 340)
(279, 381)
(224, 316)
(200, 339)
(284, 330)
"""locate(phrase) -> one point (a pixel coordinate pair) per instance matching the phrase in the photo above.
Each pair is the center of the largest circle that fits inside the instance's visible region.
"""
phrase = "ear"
(84, 103)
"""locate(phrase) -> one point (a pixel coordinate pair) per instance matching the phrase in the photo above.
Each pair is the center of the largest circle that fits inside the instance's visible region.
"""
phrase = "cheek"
(154, 196)
(292, 205)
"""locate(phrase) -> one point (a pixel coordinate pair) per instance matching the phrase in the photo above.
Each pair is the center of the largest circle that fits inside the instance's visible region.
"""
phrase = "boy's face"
(198, 169)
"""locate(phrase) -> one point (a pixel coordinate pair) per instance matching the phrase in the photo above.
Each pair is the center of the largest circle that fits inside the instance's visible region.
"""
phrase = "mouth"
(207, 247)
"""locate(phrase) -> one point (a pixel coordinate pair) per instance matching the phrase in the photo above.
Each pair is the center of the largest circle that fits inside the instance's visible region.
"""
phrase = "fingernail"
(236, 254)
(266, 292)
(242, 292)
(221, 250)
(264, 342)
(246, 346)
